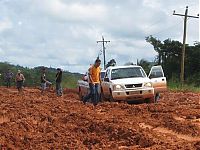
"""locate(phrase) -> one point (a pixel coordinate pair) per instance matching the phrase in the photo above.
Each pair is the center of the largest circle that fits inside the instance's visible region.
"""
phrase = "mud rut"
(33, 121)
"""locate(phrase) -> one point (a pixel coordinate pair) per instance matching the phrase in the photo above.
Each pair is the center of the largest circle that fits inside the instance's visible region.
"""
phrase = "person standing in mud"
(58, 82)
(8, 78)
(94, 82)
(19, 80)
(44, 82)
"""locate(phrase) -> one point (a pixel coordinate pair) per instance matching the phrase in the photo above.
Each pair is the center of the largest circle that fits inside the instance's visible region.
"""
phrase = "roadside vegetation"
(176, 86)
(32, 75)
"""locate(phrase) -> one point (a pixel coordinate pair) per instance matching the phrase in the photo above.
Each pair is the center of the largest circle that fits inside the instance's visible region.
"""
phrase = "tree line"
(32, 75)
(169, 54)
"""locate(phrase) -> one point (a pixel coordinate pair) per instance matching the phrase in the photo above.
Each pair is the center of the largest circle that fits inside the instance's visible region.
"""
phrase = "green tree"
(129, 63)
(33, 75)
(146, 65)
(157, 47)
(169, 56)
(112, 62)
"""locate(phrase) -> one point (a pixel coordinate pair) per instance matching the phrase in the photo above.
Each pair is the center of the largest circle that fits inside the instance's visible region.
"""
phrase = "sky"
(63, 33)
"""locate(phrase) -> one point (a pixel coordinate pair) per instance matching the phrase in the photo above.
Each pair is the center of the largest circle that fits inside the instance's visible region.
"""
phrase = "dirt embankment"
(35, 121)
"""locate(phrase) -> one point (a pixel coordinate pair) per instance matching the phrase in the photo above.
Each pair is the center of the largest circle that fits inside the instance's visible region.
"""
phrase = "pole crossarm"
(184, 15)
(103, 47)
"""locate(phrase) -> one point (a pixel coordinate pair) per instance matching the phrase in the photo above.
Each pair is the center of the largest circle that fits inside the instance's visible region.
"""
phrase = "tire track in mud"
(167, 132)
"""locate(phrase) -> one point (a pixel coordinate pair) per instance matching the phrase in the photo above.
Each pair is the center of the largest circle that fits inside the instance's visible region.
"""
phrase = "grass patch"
(70, 82)
(176, 86)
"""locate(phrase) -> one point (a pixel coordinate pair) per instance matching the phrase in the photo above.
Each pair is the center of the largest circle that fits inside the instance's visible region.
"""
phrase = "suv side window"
(156, 72)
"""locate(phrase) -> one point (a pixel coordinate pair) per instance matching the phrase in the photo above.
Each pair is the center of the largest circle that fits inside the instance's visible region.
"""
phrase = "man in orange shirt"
(94, 83)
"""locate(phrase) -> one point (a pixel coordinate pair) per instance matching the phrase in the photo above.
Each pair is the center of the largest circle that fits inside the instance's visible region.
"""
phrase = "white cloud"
(5, 24)
(152, 3)
(63, 33)
(74, 11)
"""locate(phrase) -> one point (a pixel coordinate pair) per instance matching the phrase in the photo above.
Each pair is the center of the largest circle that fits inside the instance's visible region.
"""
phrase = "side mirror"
(106, 79)
(150, 77)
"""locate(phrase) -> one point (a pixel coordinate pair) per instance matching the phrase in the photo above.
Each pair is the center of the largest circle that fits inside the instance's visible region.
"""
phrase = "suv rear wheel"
(80, 94)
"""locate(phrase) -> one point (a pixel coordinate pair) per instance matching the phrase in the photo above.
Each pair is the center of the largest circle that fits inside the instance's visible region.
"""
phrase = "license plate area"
(134, 92)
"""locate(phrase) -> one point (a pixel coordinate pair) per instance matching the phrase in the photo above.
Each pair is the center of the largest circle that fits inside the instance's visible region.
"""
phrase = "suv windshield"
(132, 72)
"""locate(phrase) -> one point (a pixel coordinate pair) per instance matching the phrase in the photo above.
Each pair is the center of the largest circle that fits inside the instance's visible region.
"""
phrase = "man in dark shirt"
(8, 78)
(58, 82)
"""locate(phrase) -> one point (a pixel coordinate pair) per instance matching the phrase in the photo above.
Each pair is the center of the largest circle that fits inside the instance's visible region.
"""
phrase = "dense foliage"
(112, 62)
(33, 75)
(169, 56)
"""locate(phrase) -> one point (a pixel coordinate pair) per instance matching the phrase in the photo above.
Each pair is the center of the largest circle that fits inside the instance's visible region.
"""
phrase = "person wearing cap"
(19, 80)
(58, 82)
(94, 82)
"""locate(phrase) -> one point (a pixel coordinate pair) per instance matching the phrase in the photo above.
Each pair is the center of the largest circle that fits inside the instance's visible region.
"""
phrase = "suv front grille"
(133, 85)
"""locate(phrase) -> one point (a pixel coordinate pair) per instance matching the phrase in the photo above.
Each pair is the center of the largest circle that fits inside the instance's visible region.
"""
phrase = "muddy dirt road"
(33, 121)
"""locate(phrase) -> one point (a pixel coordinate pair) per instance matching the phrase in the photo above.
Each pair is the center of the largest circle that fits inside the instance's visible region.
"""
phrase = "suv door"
(105, 84)
(158, 79)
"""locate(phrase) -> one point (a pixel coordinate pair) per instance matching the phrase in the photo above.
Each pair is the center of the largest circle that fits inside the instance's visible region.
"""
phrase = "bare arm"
(90, 77)
(23, 77)
(100, 77)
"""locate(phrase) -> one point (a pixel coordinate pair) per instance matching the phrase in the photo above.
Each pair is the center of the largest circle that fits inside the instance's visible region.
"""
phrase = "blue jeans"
(94, 93)
(8, 82)
(58, 89)
(43, 86)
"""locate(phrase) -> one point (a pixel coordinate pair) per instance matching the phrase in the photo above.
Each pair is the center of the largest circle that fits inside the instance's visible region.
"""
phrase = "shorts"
(19, 84)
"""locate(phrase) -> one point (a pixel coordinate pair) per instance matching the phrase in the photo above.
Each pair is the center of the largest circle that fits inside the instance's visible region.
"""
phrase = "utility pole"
(104, 54)
(184, 39)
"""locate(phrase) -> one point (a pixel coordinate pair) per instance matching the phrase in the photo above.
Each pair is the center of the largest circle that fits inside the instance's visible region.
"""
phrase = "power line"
(166, 29)
(146, 29)
(153, 24)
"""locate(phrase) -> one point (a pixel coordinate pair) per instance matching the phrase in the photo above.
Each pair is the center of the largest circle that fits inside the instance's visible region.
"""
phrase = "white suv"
(128, 83)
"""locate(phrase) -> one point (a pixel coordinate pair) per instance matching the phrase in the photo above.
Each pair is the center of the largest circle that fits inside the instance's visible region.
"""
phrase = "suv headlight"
(118, 87)
(148, 84)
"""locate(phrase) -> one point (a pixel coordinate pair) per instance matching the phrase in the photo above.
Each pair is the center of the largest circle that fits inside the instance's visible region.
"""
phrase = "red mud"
(33, 121)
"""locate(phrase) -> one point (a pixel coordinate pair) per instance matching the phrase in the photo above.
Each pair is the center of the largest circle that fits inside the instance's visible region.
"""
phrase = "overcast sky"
(63, 33)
